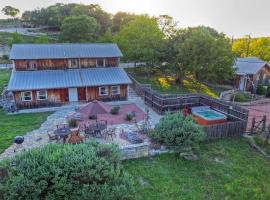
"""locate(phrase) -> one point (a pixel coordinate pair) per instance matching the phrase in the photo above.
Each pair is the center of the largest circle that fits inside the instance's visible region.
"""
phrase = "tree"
(167, 25)
(203, 52)
(141, 40)
(10, 11)
(79, 29)
(107, 37)
(15, 39)
(121, 19)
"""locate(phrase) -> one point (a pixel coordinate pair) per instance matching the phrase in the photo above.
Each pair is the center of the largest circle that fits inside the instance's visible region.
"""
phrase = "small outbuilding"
(250, 72)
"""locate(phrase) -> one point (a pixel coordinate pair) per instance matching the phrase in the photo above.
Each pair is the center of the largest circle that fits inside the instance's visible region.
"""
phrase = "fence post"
(252, 126)
(264, 123)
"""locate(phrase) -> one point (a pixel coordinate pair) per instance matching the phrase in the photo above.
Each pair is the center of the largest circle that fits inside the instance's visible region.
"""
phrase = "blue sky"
(233, 17)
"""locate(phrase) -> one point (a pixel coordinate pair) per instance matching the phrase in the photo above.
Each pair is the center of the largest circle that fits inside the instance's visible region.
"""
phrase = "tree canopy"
(10, 11)
(79, 29)
(203, 52)
(141, 40)
(121, 19)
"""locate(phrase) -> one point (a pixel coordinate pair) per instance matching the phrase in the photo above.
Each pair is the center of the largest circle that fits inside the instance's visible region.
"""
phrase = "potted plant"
(129, 116)
(115, 110)
(73, 124)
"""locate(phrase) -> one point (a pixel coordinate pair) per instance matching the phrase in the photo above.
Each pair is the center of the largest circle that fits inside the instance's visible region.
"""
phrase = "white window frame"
(23, 95)
(106, 90)
(70, 64)
(116, 88)
(38, 95)
(103, 62)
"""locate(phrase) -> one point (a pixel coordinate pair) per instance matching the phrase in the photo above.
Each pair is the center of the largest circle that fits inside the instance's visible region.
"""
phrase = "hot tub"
(204, 115)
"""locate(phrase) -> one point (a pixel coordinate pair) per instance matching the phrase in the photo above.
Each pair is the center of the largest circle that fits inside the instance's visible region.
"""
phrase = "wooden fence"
(161, 103)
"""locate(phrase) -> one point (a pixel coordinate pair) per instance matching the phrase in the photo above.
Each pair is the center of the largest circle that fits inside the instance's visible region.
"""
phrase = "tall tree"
(79, 29)
(141, 40)
(203, 52)
(167, 25)
(121, 19)
(10, 11)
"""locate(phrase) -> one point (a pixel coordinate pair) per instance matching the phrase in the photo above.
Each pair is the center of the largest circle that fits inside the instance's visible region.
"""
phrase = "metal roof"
(49, 79)
(54, 51)
(249, 65)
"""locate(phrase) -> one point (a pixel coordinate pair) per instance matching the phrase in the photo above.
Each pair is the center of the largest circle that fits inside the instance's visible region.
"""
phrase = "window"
(73, 63)
(100, 62)
(27, 96)
(42, 95)
(32, 65)
(103, 91)
(115, 90)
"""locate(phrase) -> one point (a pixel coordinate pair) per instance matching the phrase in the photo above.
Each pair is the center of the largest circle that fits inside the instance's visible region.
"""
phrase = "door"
(82, 94)
(242, 83)
(72, 94)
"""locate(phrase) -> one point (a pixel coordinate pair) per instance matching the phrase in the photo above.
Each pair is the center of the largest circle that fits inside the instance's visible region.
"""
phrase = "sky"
(235, 18)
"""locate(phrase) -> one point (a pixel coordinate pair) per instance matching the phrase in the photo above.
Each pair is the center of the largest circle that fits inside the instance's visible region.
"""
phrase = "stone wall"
(135, 151)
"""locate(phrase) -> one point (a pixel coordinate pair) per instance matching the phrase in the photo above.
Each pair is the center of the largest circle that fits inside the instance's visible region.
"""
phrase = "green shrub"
(72, 123)
(242, 97)
(268, 91)
(129, 116)
(115, 110)
(261, 90)
(177, 132)
(85, 171)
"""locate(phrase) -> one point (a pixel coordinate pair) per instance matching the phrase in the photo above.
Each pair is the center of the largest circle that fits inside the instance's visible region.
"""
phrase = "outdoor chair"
(76, 138)
(52, 137)
(110, 133)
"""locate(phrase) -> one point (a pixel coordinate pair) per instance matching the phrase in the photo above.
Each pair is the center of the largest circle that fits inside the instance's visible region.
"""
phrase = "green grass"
(168, 85)
(226, 169)
(260, 141)
(19, 124)
(4, 78)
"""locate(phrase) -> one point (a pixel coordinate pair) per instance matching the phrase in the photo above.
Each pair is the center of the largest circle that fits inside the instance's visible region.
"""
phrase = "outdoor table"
(62, 133)
(97, 128)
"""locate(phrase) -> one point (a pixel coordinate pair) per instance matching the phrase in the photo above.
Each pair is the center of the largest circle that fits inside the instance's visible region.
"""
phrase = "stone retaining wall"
(135, 151)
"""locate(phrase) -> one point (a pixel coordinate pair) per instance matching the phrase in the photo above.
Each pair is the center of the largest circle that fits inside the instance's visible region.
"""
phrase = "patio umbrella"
(94, 108)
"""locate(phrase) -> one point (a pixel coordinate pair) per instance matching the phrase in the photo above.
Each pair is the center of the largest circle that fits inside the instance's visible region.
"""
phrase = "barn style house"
(251, 72)
(47, 74)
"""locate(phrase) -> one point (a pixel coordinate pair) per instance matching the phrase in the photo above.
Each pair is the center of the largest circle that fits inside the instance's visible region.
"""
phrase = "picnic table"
(62, 133)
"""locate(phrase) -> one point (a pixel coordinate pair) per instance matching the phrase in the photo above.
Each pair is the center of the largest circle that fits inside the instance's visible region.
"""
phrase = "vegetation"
(261, 90)
(262, 143)
(226, 169)
(268, 90)
(256, 47)
(10, 11)
(79, 29)
(72, 123)
(129, 116)
(242, 97)
(115, 110)
(4, 78)
(19, 124)
(85, 171)
(177, 132)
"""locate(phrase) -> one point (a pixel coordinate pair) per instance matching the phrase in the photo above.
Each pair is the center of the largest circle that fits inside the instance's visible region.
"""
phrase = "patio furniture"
(52, 137)
(62, 133)
(98, 127)
(110, 133)
(75, 137)
(62, 126)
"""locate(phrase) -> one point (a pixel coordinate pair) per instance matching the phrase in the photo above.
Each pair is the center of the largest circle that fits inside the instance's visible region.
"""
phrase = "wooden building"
(250, 72)
(45, 74)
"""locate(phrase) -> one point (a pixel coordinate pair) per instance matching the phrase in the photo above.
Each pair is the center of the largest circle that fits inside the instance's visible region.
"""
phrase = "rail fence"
(161, 103)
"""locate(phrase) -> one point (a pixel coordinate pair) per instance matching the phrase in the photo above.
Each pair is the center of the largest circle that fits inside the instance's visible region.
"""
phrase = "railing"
(161, 103)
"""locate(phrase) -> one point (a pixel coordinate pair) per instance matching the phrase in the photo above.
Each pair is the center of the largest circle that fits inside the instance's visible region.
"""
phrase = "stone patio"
(38, 138)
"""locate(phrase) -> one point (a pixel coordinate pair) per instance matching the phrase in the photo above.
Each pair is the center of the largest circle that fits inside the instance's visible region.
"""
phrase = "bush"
(177, 132)
(85, 171)
(72, 123)
(268, 91)
(261, 90)
(242, 97)
(115, 110)
(129, 116)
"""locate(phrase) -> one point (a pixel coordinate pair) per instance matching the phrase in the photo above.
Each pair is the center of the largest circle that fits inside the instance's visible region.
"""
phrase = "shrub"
(85, 171)
(92, 117)
(115, 110)
(72, 123)
(129, 116)
(177, 132)
(242, 97)
(261, 90)
(268, 91)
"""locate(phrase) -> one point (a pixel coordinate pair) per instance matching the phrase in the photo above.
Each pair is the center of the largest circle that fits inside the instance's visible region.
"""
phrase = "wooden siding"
(54, 64)
(93, 93)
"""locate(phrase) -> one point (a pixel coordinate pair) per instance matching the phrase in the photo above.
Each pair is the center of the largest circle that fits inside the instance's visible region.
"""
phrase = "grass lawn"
(167, 85)
(226, 169)
(4, 78)
(13, 125)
